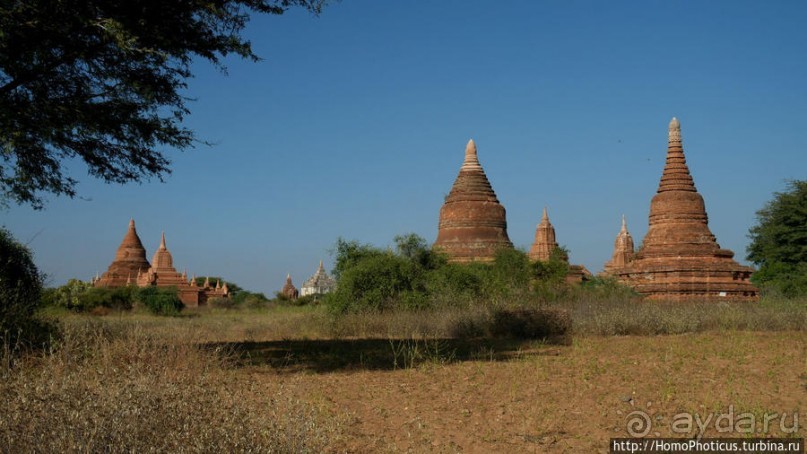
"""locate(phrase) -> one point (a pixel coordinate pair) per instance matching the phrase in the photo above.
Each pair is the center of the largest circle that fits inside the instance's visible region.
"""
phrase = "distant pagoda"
(473, 224)
(624, 250)
(545, 242)
(318, 284)
(289, 290)
(680, 258)
(545, 245)
(130, 260)
(130, 267)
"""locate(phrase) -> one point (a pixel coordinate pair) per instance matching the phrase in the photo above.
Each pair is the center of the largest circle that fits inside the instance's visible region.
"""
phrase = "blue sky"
(355, 125)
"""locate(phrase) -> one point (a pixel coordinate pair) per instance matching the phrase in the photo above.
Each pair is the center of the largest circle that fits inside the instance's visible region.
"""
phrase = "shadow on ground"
(329, 355)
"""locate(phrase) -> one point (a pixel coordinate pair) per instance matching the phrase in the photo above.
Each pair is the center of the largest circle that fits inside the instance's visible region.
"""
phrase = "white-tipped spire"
(131, 223)
(675, 130)
(471, 159)
(624, 225)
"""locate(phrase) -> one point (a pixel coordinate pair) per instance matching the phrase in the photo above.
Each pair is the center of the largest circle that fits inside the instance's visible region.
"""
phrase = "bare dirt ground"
(549, 398)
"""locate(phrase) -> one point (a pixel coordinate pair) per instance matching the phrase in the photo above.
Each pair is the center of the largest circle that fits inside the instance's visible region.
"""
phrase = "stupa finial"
(675, 130)
(544, 216)
(624, 225)
(471, 158)
(162, 242)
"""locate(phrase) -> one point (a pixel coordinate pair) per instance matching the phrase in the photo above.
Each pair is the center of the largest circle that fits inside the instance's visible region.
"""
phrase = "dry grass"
(124, 386)
(137, 382)
(631, 317)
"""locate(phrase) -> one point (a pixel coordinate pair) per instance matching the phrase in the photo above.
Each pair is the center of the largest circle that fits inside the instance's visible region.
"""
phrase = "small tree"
(779, 242)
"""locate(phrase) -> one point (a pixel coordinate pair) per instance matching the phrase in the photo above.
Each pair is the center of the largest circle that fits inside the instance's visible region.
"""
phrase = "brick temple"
(289, 290)
(130, 267)
(473, 224)
(679, 258)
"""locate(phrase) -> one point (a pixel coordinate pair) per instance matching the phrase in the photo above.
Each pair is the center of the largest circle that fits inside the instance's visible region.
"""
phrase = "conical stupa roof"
(130, 260)
(676, 176)
(473, 224)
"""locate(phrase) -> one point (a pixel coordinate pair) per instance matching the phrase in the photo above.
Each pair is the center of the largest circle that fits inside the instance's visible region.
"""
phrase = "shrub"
(20, 296)
(67, 296)
(160, 301)
(532, 323)
(119, 298)
(377, 282)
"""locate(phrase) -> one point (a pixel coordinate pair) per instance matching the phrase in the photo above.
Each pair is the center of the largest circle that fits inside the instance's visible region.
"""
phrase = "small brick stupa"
(680, 258)
(545, 244)
(289, 290)
(473, 224)
(623, 250)
(545, 241)
(130, 260)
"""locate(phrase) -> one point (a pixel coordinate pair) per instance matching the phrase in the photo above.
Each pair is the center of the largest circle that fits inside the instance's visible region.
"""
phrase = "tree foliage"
(413, 276)
(779, 241)
(20, 291)
(101, 81)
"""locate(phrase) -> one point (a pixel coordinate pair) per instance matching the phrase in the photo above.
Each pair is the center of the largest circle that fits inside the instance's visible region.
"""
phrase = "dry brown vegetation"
(299, 380)
(118, 385)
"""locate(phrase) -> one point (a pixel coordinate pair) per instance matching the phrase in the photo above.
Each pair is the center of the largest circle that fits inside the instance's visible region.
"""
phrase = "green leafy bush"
(20, 297)
(67, 296)
(119, 298)
(160, 300)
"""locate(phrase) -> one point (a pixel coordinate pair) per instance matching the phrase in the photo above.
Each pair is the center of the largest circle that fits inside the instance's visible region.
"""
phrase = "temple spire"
(676, 176)
(162, 242)
(623, 250)
(471, 158)
(545, 241)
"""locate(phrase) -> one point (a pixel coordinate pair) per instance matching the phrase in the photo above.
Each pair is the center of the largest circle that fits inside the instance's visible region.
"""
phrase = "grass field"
(297, 380)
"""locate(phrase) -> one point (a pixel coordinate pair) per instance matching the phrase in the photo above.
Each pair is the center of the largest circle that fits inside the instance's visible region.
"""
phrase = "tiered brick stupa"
(289, 290)
(680, 258)
(130, 260)
(473, 224)
(545, 241)
(623, 250)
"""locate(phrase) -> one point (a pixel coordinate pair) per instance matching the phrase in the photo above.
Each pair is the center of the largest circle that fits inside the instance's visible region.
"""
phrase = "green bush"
(119, 298)
(20, 297)
(67, 296)
(160, 300)
(375, 282)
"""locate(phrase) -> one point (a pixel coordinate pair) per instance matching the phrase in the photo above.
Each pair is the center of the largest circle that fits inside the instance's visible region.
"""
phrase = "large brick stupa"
(473, 224)
(680, 258)
(130, 260)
